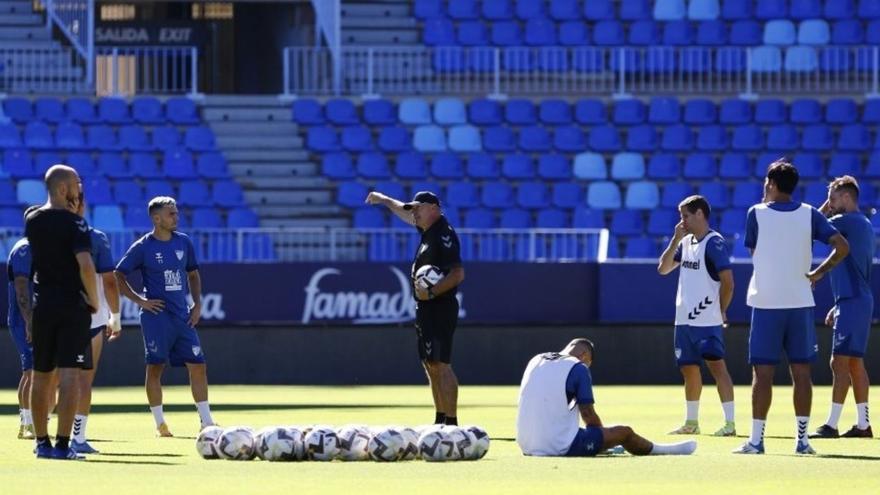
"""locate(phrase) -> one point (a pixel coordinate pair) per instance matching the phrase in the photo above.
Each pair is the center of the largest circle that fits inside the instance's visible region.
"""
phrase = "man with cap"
(437, 306)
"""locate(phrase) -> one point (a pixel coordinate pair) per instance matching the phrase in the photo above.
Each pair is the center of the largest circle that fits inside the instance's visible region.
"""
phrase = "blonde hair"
(846, 184)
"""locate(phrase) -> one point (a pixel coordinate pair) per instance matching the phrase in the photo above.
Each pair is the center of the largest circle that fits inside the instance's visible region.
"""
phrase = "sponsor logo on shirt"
(172, 281)
(692, 265)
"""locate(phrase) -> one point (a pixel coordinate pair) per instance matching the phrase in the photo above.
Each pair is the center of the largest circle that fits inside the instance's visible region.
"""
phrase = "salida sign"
(148, 34)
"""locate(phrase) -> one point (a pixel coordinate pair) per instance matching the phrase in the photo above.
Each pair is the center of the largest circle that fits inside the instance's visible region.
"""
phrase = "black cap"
(425, 197)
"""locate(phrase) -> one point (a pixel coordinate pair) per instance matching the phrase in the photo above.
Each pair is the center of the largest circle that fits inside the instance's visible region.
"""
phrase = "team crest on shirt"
(179, 253)
(196, 350)
(677, 353)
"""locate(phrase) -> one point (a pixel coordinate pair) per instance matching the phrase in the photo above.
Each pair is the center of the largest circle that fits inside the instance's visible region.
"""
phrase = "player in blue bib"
(167, 264)
(853, 308)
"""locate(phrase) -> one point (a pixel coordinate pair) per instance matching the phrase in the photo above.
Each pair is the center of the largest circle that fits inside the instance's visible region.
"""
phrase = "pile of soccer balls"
(434, 443)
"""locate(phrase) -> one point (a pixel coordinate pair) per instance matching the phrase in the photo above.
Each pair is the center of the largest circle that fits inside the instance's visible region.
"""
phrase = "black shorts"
(435, 325)
(61, 333)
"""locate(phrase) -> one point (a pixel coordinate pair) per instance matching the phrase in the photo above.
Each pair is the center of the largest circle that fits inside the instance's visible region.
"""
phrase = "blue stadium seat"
(771, 9)
(379, 112)
(373, 166)
(482, 166)
(836, 59)
(447, 166)
(733, 222)
(83, 163)
(700, 166)
(438, 31)
(463, 9)
(872, 36)
(770, 111)
(678, 138)
(641, 138)
(318, 138)
(129, 192)
(351, 194)
(747, 138)
(307, 111)
(360, 138)
(166, 138)
(37, 135)
(814, 32)
(805, 9)
(69, 136)
(532, 195)
(608, 33)
(228, 193)
(745, 33)
(716, 194)
(49, 109)
(20, 110)
(669, 10)
(598, 10)
(662, 221)
(587, 218)
(484, 112)
(627, 59)
(44, 160)
(552, 218)
(435, 188)
(552, 166)
(782, 138)
(107, 218)
(394, 139)
(567, 195)
(704, 10)
(540, 32)
(847, 32)
(629, 112)
(841, 111)
(644, 33)
(628, 166)
(809, 165)
(737, 9)
(528, 9)
(627, 222)
(712, 33)
(338, 166)
(30, 192)
(664, 166)
(590, 111)
(570, 139)
(449, 111)
(414, 111)
(604, 138)
(497, 10)
(763, 161)
(461, 195)
(497, 195)
(410, 165)
(479, 218)
(103, 138)
(179, 165)
(242, 218)
(673, 193)
(82, 110)
(206, 218)
(664, 110)
(780, 32)
(517, 166)
(817, 138)
(574, 33)
(633, 10)
(147, 110)
(114, 166)
(464, 138)
(520, 112)
(555, 112)
(872, 170)
(506, 33)
(840, 9)
(805, 111)
(869, 9)
(815, 193)
(369, 218)
(144, 165)
(641, 248)
(341, 111)
(603, 195)
(498, 139)
(643, 195)
(746, 194)
(590, 166)
(181, 110)
(195, 193)
(712, 138)
(113, 111)
(11, 217)
(18, 164)
(427, 9)
(730, 60)
(854, 137)
(200, 138)
(679, 33)
(801, 59)
(844, 164)
(766, 59)
(565, 10)
(134, 138)
(515, 218)
(9, 136)
(534, 139)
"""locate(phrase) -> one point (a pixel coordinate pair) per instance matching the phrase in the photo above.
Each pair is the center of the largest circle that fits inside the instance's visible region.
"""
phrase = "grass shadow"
(127, 454)
(850, 457)
(142, 408)
(139, 463)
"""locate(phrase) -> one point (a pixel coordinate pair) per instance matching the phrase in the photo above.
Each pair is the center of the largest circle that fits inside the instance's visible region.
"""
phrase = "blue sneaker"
(750, 448)
(43, 450)
(83, 448)
(804, 449)
(67, 454)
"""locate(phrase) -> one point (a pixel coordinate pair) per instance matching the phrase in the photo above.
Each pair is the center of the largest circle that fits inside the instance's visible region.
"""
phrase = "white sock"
(803, 422)
(205, 413)
(680, 448)
(693, 410)
(728, 409)
(79, 428)
(158, 415)
(834, 415)
(864, 421)
(757, 435)
(28, 417)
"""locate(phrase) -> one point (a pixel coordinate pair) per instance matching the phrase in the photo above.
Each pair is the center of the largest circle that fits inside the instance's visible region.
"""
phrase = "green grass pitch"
(134, 461)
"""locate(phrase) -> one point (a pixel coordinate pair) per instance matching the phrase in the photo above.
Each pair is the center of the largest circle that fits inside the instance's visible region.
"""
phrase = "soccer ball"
(278, 444)
(462, 443)
(300, 434)
(206, 443)
(427, 276)
(237, 444)
(322, 444)
(353, 443)
(410, 444)
(435, 445)
(386, 445)
(480, 442)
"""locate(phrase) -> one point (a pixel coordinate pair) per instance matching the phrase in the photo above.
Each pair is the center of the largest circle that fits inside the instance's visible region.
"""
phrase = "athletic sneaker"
(163, 431)
(43, 450)
(203, 425)
(749, 448)
(67, 454)
(804, 449)
(855, 432)
(83, 448)
(688, 428)
(825, 431)
(728, 430)
(26, 432)
(616, 450)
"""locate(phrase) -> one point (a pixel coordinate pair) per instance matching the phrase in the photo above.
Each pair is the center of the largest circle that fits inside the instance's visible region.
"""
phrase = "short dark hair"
(29, 210)
(585, 342)
(846, 184)
(160, 202)
(784, 174)
(694, 203)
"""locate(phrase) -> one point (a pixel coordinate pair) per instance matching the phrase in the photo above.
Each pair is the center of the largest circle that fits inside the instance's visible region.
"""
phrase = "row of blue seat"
(587, 111)
(646, 9)
(21, 164)
(112, 217)
(587, 166)
(144, 110)
(602, 138)
(71, 136)
(545, 32)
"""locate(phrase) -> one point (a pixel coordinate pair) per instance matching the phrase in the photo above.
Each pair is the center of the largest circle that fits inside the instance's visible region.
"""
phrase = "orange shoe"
(163, 431)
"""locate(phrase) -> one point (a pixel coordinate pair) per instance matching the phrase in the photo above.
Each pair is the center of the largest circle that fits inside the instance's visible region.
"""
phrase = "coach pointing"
(436, 307)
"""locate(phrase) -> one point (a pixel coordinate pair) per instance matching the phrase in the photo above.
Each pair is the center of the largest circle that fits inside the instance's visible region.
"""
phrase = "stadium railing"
(76, 19)
(267, 245)
(147, 70)
(42, 70)
(620, 71)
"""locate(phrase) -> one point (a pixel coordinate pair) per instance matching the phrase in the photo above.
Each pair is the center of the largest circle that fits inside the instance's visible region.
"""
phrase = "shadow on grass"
(141, 408)
(138, 463)
(850, 457)
(126, 454)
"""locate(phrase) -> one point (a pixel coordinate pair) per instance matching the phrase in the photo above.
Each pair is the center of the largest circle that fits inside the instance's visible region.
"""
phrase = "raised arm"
(839, 251)
(667, 259)
(396, 206)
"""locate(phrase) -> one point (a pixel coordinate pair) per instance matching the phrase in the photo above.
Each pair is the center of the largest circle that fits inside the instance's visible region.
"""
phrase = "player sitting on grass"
(557, 388)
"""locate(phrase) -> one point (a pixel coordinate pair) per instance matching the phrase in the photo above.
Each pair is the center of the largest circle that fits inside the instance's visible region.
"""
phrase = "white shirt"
(697, 300)
(546, 423)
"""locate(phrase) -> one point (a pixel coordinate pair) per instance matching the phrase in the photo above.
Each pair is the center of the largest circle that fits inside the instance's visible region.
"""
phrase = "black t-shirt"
(55, 237)
(439, 247)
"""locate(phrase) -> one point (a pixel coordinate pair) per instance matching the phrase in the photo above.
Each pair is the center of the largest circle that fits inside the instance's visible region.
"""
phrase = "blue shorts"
(693, 344)
(587, 442)
(852, 326)
(96, 331)
(169, 338)
(777, 330)
(25, 350)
